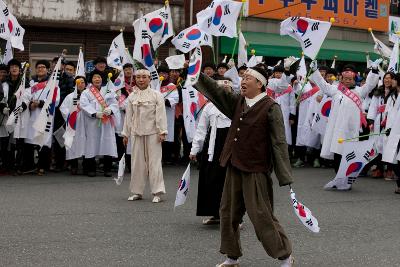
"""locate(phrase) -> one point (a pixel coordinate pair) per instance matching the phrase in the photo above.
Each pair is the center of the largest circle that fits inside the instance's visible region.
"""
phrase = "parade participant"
(4, 135)
(100, 64)
(70, 68)
(38, 96)
(287, 102)
(13, 81)
(346, 116)
(171, 98)
(382, 102)
(100, 107)
(146, 127)
(209, 69)
(241, 71)
(222, 68)
(255, 145)
(129, 77)
(77, 149)
(209, 139)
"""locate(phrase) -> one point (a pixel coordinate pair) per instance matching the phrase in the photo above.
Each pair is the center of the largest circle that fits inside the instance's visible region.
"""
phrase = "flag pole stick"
(239, 28)
(341, 140)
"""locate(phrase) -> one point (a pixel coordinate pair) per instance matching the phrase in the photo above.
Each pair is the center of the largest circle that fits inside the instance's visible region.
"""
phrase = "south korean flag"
(190, 38)
(310, 33)
(220, 17)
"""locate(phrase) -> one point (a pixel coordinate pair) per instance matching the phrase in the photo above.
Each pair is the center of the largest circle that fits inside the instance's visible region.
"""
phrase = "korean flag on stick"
(220, 17)
(309, 33)
(194, 68)
(394, 58)
(304, 214)
(355, 156)
(143, 53)
(183, 188)
(191, 38)
(380, 48)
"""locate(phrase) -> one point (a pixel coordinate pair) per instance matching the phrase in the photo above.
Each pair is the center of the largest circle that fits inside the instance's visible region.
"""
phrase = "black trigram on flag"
(154, 75)
(115, 45)
(191, 94)
(75, 101)
(17, 32)
(309, 222)
(48, 126)
(227, 10)
(222, 28)
(2, 28)
(307, 43)
(164, 15)
(368, 154)
(294, 18)
(315, 26)
(5, 12)
(205, 38)
(186, 45)
(145, 34)
(317, 118)
(350, 156)
(209, 20)
(181, 35)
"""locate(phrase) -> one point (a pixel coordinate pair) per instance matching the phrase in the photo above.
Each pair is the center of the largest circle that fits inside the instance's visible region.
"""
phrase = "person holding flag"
(255, 145)
(209, 139)
(100, 107)
(146, 127)
(76, 119)
(346, 117)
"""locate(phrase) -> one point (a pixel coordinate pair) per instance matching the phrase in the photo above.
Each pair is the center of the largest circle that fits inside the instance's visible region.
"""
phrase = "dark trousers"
(44, 158)
(336, 161)
(5, 153)
(251, 192)
(90, 163)
(59, 155)
(18, 150)
(396, 169)
(28, 157)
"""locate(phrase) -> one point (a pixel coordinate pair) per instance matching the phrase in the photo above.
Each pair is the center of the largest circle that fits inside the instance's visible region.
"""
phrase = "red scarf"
(356, 100)
(39, 86)
(308, 94)
(105, 119)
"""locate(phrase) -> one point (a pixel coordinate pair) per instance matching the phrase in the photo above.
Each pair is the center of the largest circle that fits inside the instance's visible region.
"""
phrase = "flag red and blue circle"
(217, 16)
(193, 34)
(326, 108)
(72, 118)
(195, 68)
(354, 168)
(155, 24)
(302, 26)
(182, 184)
(146, 54)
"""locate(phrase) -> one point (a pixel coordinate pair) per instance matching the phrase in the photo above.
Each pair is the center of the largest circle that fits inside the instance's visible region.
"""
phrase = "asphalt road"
(62, 220)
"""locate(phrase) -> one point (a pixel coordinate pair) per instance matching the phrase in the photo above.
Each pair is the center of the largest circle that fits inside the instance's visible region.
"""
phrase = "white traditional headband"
(142, 72)
(256, 75)
(225, 83)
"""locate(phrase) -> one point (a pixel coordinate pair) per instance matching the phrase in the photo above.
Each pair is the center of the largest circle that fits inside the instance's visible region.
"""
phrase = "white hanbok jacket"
(77, 149)
(287, 103)
(170, 93)
(344, 119)
(100, 137)
(210, 117)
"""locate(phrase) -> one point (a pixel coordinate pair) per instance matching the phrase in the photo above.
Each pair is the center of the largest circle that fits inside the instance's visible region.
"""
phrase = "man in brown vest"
(255, 145)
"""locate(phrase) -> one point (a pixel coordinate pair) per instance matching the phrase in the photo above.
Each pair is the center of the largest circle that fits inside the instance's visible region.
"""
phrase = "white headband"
(225, 82)
(256, 75)
(142, 72)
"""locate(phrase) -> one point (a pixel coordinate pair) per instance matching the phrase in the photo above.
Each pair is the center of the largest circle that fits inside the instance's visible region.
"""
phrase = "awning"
(275, 45)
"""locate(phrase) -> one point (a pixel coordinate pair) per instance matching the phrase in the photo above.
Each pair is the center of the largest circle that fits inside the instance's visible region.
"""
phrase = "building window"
(394, 7)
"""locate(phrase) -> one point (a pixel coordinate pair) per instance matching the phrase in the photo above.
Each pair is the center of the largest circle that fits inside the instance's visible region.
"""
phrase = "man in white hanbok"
(100, 107)
(146, 126)
(346, 117)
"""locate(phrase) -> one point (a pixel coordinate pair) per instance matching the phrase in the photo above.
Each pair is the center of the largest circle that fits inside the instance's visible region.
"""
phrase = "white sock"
(229, 261)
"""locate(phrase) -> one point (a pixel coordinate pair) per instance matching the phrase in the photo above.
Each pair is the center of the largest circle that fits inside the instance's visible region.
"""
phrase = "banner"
(347, 13)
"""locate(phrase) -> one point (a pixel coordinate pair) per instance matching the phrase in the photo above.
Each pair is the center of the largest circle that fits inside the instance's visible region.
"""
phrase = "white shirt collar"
(251, 102)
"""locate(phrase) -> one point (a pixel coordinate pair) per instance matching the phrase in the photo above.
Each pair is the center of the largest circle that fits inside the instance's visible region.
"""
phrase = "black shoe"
(91, 174)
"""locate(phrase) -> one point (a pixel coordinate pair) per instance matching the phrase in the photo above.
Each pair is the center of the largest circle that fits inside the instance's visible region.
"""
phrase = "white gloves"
(6, 111)
(107, 111)
(287, 62)
(314, 66)
(99, 115)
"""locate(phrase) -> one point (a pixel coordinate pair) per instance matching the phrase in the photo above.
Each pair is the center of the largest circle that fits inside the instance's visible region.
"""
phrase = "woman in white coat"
(77, 149)
(382, 103)
(345, 119)
(101, 110)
